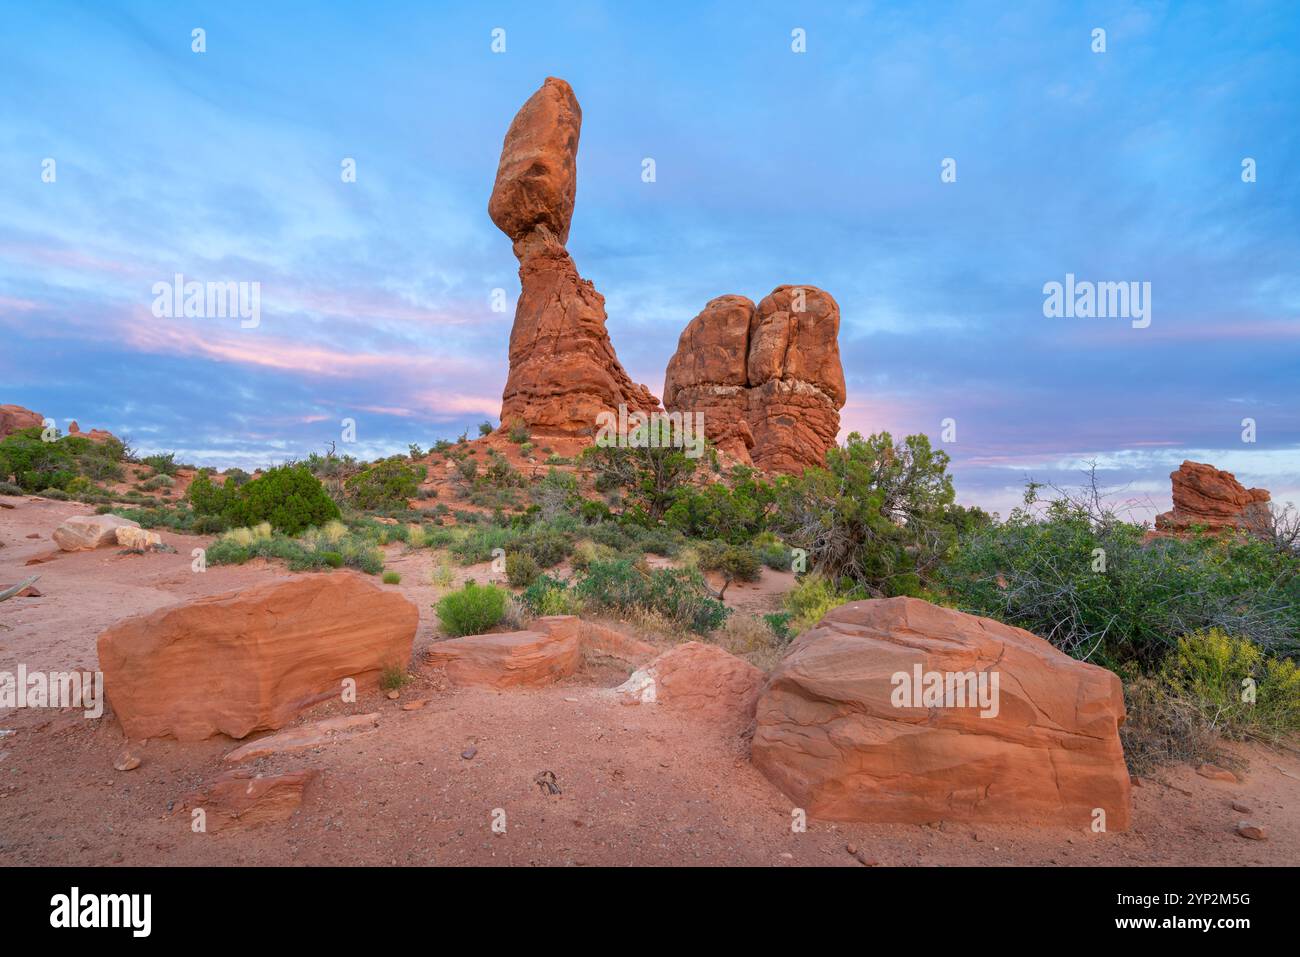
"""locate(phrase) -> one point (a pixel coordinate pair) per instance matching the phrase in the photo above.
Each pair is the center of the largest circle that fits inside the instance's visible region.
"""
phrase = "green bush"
(290, 497)
(812, 597)
(779, 622)
(521, 569)
(388, 484)
(9, 488)
(392, 578)
(472, 610)
(877, 514)
(735, 513)
(679, 595)
(163, 463)
(1089, 583)
(733, 562)
(1239, 691)
(485, 428)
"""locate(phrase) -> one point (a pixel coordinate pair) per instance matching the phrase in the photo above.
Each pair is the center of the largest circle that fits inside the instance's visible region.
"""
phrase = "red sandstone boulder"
(703, 681)
(767, 378)
(516, 659)
(563, 369)
(251, 660)
(849, 729)
(1204, 495)
(15, 418)
(240, 798)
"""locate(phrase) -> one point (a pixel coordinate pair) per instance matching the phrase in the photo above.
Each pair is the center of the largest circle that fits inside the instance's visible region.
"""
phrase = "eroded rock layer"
(1209, 497)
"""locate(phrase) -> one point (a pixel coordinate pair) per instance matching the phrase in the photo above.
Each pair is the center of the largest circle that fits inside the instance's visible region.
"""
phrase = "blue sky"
(772, 167)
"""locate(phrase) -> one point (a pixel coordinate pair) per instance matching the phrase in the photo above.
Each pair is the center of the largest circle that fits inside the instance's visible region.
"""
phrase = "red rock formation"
(703, 681)
(241, 798)
(835, 734)
(1204, 495)
(563, 370)
(251, 660)
(95, 435)
(516, 659)
(15, 418)
(767, 378)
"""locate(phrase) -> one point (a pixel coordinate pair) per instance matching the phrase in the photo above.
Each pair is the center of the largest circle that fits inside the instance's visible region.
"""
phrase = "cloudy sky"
(822, 167)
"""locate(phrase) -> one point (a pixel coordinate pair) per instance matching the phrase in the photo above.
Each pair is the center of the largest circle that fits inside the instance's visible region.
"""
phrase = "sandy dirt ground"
(637, 785)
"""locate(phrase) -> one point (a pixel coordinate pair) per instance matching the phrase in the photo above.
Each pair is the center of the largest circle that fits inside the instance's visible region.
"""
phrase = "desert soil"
(637, 785)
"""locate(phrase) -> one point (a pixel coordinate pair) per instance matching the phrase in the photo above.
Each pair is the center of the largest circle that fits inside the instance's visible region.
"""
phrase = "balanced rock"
(703, 681)
(1210, 497)
(251, 660)
(563, 369)
(516, 659)
(82, 532)
(850, 726)
(15, 418)
(767, 378)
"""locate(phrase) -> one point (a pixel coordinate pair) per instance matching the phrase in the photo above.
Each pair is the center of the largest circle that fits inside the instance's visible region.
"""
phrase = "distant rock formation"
(1210, 497)
(15, 418)
(767, 378)
(563, 369)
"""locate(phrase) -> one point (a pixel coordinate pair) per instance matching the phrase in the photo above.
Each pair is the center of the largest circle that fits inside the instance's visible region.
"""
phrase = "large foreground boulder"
(1212, 498)
(82, 532)
(853, 725)
(251, 660)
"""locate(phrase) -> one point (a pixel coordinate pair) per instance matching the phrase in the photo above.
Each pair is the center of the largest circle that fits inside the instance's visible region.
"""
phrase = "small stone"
(1136, 781)
(414, 705)
(393, 695)
(865, 859)
(1242, 808)
(851, 848)
(1253, 832)
(468, 753)
(127, 760)
(1216, 773)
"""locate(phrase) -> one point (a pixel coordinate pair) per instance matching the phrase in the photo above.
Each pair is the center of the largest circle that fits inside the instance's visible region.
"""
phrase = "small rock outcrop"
(854, 725)
(767, 378)
(517, 659)
(1212, 498)
(15, 418)
(703, 681)
(241, 798)
(252, 660)
(563, 369)
(81, 532)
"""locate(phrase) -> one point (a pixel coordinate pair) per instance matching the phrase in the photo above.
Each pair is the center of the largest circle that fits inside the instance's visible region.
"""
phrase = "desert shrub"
(735, 512)
(812, 597)
(733, 562)
(314, 551)
(392, 578)
(521, 569)
(772, 552)
(586, 552)
(289, 497)
(650, 479)
(875, 514)
(679, 595)
(1239, 690)
(779, 624)
(35, 464)
(518, 432)
(159, 481)
(485, 428)
(163, 463)
(10, 488)
(472, 610)
(443, 575)
(393, 678)
(389, 483)
(478, 545)
(547, 547)
(1074, 573)
(748, 637)
(55, 493)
